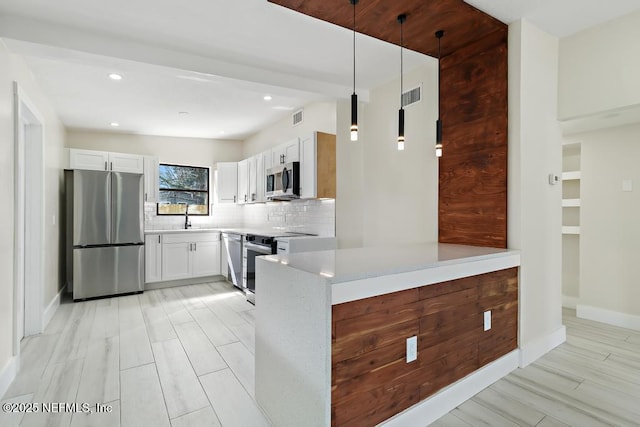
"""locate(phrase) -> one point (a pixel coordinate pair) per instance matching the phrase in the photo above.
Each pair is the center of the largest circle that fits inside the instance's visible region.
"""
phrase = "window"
(183, 187)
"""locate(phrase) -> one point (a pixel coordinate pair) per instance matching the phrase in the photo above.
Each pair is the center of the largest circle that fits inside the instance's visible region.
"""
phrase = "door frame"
(28, 275)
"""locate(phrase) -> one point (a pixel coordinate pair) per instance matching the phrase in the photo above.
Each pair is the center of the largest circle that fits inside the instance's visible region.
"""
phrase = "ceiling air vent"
(412, 96)
(297, 117)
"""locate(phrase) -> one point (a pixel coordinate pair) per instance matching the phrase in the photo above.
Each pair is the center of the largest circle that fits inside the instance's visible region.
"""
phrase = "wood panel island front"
(335, 332)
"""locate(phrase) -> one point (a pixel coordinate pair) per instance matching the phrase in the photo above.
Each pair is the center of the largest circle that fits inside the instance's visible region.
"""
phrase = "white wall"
(350, 184)
(13, 68)
(318, 116)
(610, 231)
(599, 68)
(534, 206)
(386, 196)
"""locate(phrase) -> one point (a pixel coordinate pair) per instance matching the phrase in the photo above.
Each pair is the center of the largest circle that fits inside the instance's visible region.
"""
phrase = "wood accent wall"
(326, 166)
(472, 198)
(370, 379)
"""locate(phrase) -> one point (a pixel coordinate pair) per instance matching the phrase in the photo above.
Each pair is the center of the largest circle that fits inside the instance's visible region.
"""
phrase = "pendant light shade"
(439, 35)
(354, 97)
(401, 19)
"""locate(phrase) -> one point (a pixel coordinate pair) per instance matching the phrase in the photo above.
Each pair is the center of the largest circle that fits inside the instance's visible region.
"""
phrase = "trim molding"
(183, 282)
(541, 346)
(52, 308)
(430, 410)
(569, 302)
(8, 374)
(616, 318)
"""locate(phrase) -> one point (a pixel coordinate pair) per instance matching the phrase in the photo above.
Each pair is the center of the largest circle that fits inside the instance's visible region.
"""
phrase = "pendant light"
(354, 97)
(439, 35)
(401, 19)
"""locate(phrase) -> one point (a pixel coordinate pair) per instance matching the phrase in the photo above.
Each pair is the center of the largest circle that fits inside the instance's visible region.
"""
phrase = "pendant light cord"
(354, 3)
(401, 62)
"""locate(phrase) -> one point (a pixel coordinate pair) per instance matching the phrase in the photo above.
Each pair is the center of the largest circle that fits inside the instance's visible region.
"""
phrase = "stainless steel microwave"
(283, 182)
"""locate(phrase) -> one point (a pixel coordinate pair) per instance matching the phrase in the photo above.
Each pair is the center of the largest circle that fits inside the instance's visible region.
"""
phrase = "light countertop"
(182, 230)
(269, 232)
(345, 265)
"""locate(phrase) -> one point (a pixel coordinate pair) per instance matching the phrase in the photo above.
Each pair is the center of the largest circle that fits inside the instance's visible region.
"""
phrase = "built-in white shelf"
(570, 229)
(570, 203)
(569, 176)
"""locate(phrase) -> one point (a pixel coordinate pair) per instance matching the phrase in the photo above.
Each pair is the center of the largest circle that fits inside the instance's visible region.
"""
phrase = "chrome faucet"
(187, 223)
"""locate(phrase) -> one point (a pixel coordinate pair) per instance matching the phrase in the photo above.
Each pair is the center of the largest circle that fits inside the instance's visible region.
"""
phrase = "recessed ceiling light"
(221, 132)
(268, 97)
(114, 76)
(183, 113)
(115, 124)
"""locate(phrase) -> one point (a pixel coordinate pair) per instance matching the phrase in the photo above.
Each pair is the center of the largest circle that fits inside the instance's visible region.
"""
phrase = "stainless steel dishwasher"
(233, 244)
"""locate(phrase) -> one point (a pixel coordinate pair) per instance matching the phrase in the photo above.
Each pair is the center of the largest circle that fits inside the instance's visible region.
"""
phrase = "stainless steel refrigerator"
(105, 236)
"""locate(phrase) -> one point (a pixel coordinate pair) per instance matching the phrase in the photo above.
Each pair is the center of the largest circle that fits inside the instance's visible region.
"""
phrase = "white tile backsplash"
(222, 216)
(303, 216)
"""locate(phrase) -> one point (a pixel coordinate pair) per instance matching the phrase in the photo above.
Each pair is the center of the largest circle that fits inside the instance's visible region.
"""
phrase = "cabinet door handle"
(105, 165)
(145, 197)
(245, 197)
(158, 239)
(111, 165)
(195, 247)
(234, 199)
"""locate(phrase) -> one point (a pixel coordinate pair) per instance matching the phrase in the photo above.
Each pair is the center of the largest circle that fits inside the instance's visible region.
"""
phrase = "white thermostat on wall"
(553, 179)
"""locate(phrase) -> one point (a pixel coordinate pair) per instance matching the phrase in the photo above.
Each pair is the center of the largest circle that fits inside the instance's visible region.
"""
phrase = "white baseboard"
(615, 318)
(569, 302)
(532, 351)
(51, 309)
(426, 412)
(182, 282)
(8, 374)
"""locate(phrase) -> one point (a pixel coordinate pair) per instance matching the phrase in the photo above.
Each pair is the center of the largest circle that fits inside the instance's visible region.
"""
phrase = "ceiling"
(216, 59)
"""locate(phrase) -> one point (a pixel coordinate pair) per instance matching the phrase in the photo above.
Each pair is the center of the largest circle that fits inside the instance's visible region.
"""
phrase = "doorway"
(28, 218)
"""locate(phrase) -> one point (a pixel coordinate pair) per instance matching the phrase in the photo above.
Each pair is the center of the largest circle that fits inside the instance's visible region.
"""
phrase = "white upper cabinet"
(264, 164)
(252, 164)
(151, 179)
(105, 161)
(243, 181)
(121, 162)
(286, 153)
(88, 160)
(227, 182)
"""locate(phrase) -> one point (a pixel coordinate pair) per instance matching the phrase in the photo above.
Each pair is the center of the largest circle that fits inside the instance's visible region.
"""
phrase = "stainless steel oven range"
(254, 246)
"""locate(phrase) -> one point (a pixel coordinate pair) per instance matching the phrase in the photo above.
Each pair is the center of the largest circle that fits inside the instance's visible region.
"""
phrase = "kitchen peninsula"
(357, 336)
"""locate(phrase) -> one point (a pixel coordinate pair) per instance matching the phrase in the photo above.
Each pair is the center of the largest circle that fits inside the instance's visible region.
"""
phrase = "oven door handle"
(258, 248)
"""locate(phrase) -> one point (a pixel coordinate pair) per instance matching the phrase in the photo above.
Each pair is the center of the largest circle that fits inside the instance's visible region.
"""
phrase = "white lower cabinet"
(152, 258)
(176, 260)
(176, 256)
(205, 258)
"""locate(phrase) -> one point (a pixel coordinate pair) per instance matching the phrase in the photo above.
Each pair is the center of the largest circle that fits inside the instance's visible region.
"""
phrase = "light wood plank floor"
(593, 379)
(184, 357)
(171, 357)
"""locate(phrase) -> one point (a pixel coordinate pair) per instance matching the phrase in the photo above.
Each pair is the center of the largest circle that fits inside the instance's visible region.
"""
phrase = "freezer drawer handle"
(105, 165)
